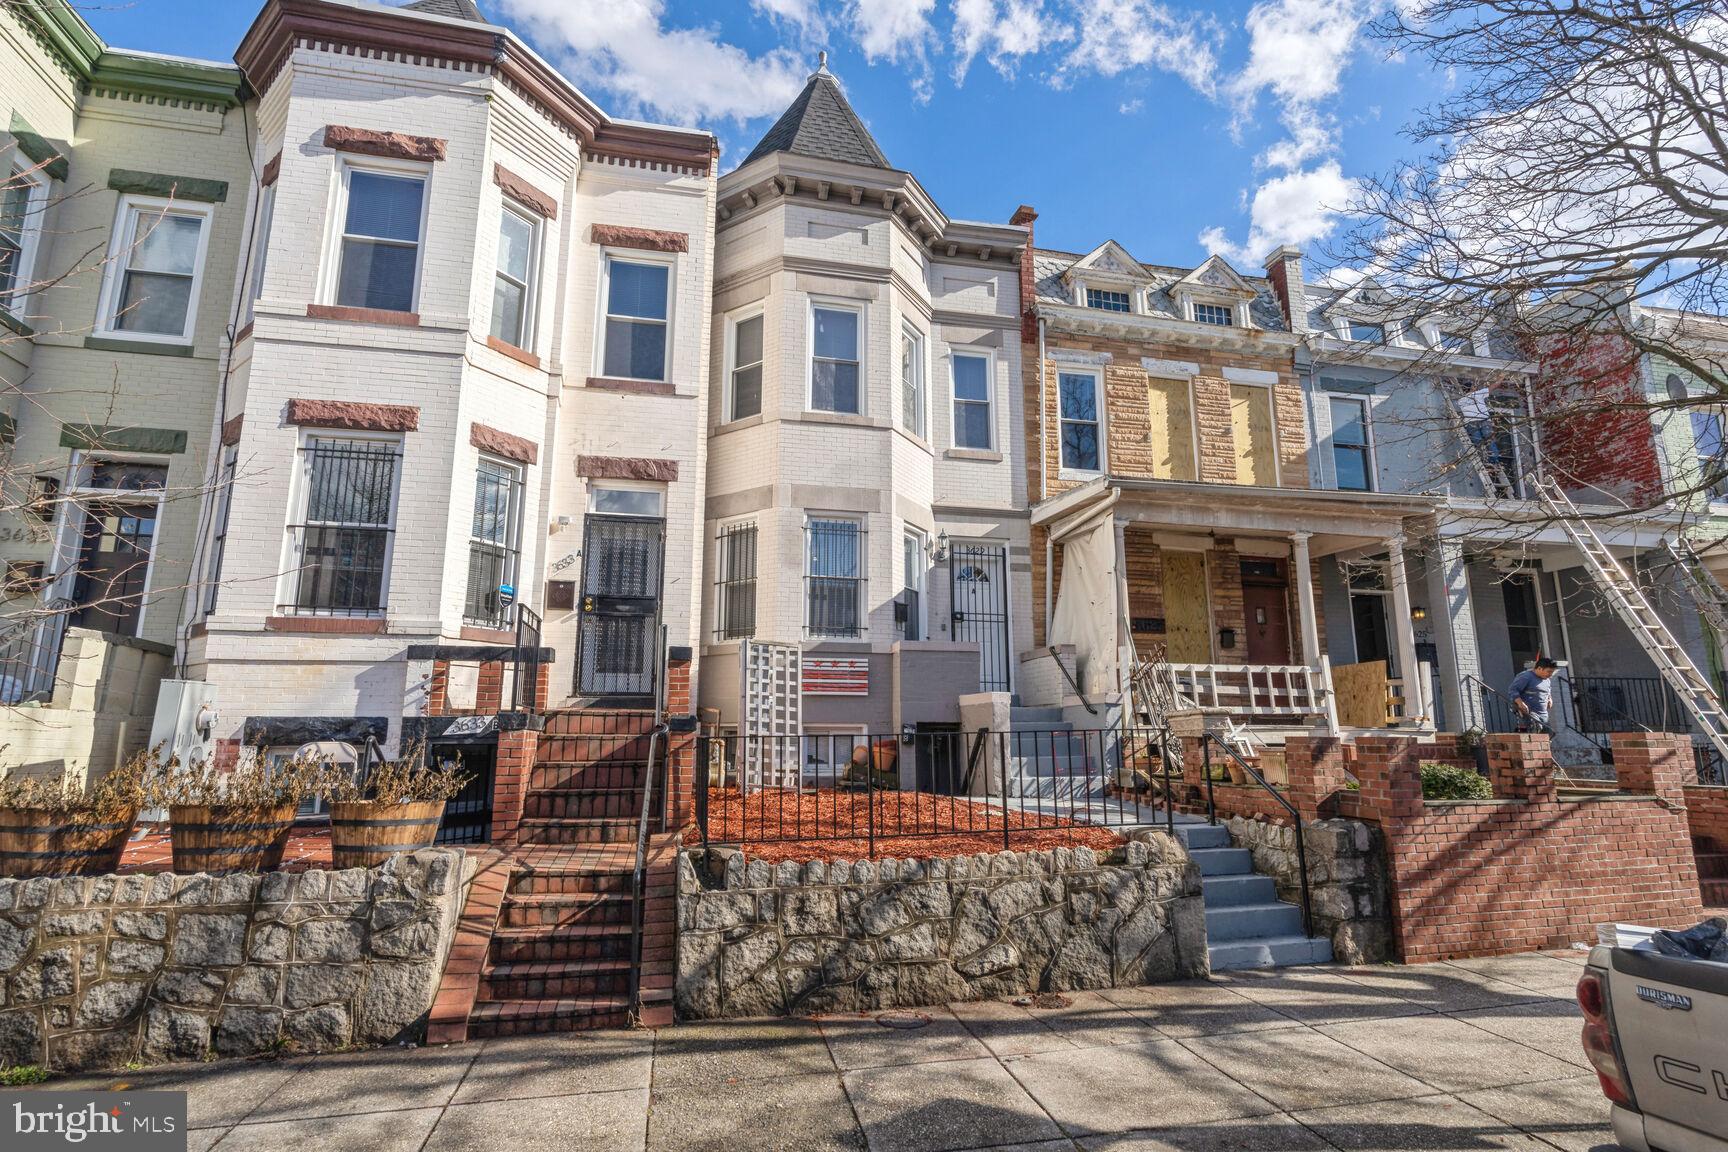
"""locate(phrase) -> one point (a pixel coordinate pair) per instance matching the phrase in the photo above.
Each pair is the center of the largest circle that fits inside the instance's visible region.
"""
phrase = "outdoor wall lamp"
(1226, 637)
(940, 553)
(1418, 613)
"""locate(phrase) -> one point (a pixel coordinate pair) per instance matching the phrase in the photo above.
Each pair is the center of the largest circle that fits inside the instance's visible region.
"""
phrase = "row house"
(1176, 522)
(397, 331)
(124, 188)
(865, 509)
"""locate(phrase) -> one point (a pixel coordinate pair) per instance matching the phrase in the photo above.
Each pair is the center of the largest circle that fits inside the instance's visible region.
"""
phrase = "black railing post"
(1004, 743)
(1169, 799)
(870, 796)
(1206, 763)
(1302, 869)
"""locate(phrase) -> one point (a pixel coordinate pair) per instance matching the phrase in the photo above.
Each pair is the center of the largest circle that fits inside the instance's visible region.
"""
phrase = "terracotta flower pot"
(34, 842)
(220, 838)
(367, 833)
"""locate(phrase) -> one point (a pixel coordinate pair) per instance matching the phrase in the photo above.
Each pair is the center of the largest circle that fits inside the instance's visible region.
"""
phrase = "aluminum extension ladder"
(1495, 479)
(1712, 598)
(1634, 610)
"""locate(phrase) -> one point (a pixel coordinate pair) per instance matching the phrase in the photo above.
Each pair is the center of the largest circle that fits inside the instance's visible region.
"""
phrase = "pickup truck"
(1656, 1031)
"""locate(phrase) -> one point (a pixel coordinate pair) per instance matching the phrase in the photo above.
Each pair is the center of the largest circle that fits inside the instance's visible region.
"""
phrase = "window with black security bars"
(493, 549)
(833, 576)
(347, 524)
(735, 598)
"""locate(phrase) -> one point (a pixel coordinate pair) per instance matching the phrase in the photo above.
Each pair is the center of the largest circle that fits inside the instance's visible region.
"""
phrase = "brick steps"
(554, 1014)
(564, 909)
(618, 830)
(565, 942)
(583, 804)
(557, 776)
(558, 979)
(584, 882)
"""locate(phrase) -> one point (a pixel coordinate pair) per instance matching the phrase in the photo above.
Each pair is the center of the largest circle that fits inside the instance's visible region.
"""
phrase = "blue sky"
(1176, 128)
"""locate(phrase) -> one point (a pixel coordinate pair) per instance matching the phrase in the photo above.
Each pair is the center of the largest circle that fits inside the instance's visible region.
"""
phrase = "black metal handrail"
(639, 879)
(1069, 676)
(1207, 742)
(525, 660)
(1507, 718)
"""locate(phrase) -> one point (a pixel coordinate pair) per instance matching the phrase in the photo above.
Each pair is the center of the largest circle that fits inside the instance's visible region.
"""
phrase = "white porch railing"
(1260, 691)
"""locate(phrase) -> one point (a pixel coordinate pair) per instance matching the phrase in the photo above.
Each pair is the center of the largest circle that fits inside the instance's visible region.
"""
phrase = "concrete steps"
(1247, 926)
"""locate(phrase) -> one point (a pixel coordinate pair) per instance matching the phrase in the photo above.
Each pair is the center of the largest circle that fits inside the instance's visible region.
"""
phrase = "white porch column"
(1403, 629)
(1305, 598)
(1125, 653)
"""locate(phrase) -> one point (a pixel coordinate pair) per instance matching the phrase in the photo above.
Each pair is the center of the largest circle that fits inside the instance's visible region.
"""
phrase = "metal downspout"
(1044, 482)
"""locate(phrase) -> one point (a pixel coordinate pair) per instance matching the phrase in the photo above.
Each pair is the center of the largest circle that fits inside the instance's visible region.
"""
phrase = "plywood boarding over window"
(1187, 617)
(1251, 429)
(1172, 415)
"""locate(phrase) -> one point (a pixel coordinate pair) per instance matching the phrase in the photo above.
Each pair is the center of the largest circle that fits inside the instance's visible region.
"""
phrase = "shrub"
(257, 787)
(1449, 782)
(114, 797)
(406, 780)
(22, 1076)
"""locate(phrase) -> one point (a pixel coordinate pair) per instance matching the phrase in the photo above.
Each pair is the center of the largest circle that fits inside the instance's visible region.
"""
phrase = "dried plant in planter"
(396, 808)
(56, 826)
(259, 787)
(408, 779)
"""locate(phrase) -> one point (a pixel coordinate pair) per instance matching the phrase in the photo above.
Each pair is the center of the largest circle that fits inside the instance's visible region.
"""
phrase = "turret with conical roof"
(821, 123)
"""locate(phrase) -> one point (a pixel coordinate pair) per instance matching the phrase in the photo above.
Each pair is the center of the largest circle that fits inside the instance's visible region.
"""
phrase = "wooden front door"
(1187, 616)
(1267, 609)
(114, 565)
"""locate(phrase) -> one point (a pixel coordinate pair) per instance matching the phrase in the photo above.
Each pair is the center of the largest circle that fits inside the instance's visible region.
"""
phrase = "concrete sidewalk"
(1472, 1055)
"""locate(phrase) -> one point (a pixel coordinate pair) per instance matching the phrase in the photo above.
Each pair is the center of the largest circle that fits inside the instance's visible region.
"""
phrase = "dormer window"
(1215, 314)
(1107, 300)
(1364, 332)
(1454, 342)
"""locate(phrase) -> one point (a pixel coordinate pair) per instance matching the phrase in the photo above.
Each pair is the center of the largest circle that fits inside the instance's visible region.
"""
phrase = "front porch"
(1182, 594)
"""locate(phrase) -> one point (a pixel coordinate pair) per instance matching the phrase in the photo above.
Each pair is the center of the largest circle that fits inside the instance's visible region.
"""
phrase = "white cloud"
(1118, 35)
(1295, 208)
(803, 15)
(1004, 31)
(1129, 107)
(898, 32)
(685, 75)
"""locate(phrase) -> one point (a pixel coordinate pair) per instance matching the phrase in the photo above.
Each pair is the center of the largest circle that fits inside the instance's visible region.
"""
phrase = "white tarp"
(1086, 612)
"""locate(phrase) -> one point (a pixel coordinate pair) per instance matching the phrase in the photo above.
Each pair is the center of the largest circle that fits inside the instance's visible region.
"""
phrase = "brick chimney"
(1284, 269)
(1024, 216)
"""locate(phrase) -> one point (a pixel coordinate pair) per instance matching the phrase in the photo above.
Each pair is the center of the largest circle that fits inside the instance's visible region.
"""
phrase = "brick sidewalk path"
(1478, 1054)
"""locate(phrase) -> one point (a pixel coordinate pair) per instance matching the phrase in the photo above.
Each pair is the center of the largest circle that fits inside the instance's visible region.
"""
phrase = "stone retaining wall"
(775, 939)
(1347, 880)
(105, 970)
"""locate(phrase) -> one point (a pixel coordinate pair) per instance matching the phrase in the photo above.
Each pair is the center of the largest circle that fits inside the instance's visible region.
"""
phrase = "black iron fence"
(30, 653)
(997, 787)
(525, 663)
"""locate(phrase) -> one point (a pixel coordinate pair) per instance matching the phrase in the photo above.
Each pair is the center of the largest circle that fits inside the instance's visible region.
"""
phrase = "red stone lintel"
(371, 142)
(231, 430)
(647, 239)
(519, 189)
(355, 415)
(626, 468)
(329, 625)
(501, 443)
(272, 169)
(363, 315)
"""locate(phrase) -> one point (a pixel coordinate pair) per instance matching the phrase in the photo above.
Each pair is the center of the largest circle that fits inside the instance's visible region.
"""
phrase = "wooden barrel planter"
(365, 833)
(220, 839)
(33, 843)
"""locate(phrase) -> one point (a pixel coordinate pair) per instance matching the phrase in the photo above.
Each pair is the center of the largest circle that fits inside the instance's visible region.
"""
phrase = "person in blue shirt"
(1531, 695)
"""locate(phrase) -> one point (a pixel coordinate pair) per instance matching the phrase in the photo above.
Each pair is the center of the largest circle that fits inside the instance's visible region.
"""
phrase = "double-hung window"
(513, 282)
(836, 337)
(972, 421)
(913, 566)
(912, 404)
(1107, 300)
(735, 581)
(745, 385)
(1459, 342)
(23, 200)
(493, 549)
(1708, 448)
(1077, 393)
(1351, 459)
(154, 271)
(348, 519)
(260, 246)
(383, 219)
(1220, 314)
(833, 575)
(638, 306)
(1364, 332)
(219, 524)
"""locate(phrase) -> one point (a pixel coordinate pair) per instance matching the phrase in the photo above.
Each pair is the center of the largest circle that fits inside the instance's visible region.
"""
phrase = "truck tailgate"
(1671, 1020)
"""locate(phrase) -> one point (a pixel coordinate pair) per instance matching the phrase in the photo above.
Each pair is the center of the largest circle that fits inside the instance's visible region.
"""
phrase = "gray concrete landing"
(1471, 1055)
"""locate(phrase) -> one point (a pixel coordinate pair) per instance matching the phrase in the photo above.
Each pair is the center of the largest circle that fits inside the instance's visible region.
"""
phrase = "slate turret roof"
(455, 9)
(820, 123)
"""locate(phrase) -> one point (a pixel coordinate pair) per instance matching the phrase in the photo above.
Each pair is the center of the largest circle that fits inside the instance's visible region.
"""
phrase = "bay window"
(638, 307)
(744, 393)
(513, 280)
(347, 521)
(383, 222)
(834, 361)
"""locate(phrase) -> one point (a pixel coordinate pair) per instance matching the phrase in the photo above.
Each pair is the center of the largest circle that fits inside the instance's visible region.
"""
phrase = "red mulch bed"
(924, 826)
(307, 848)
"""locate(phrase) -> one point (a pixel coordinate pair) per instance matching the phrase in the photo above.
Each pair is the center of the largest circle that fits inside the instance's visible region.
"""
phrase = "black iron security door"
(978, 577)
(622, 560)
